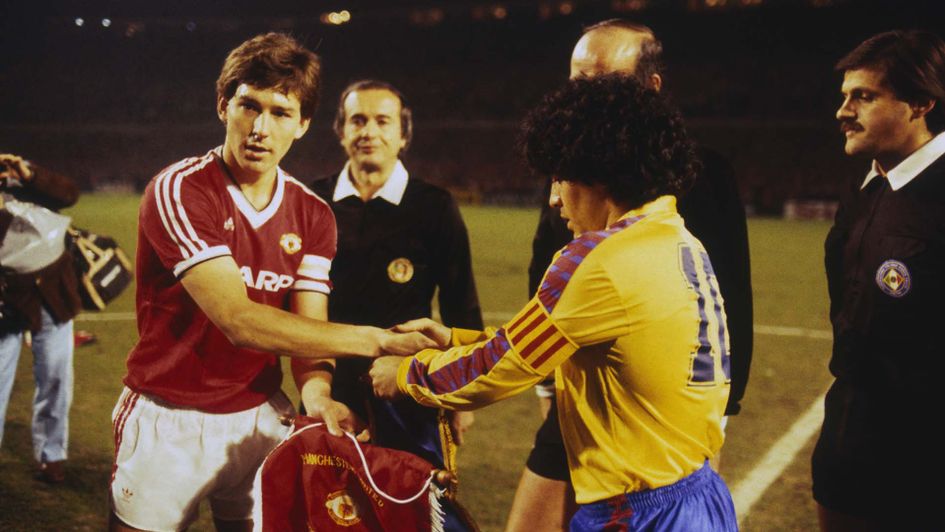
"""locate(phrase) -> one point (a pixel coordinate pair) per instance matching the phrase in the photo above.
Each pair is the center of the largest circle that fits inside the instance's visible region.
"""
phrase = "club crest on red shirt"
(893, 278)
(291, 243)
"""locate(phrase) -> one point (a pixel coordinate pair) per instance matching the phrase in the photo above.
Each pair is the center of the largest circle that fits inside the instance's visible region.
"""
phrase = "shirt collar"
(911, 166)
(392, 191)
(665, 203)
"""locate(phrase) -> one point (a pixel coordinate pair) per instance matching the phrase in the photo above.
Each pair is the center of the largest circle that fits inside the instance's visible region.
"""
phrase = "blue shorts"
(699, 502)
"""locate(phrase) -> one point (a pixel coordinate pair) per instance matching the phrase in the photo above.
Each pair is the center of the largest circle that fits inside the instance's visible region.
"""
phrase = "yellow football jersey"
(632, 319)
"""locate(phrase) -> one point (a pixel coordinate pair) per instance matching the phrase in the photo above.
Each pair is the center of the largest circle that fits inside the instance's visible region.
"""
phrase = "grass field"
(788, 375)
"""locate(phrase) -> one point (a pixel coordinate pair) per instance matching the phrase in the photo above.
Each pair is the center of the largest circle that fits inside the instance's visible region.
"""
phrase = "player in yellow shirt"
(628, 316)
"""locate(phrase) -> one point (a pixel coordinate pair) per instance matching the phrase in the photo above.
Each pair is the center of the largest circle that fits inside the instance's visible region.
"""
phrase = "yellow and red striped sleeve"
(469, 336)
(507, 361)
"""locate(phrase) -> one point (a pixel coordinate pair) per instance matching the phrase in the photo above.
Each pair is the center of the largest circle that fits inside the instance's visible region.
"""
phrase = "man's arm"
(459, 303)
(35, 184)
(313, 377)
(834, 244)
(467, 377)
(217, 288)
(582, 308)
(714, 213)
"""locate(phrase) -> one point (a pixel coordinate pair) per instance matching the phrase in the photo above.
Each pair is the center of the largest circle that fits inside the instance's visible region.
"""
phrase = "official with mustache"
(877, 463)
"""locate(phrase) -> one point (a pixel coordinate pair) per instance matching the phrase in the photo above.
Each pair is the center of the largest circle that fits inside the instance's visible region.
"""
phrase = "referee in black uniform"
(877, 464)
(399, 240)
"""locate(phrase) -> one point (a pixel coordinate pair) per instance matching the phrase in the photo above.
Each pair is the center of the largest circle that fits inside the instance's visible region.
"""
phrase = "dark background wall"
(112, 105)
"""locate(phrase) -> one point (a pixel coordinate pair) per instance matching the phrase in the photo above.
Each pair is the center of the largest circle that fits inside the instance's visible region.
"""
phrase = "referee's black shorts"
(548, 458)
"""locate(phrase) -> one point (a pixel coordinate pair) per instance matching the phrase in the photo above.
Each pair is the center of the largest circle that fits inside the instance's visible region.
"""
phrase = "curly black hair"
(610, 130)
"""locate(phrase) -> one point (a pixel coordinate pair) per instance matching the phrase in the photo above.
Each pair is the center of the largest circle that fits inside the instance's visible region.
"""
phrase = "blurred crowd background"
(110, 91)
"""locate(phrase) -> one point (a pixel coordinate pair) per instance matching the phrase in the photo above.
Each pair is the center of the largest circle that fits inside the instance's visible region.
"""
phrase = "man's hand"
(383, 375)
(337, 417)
(314, 382)
(459, 424)
(14, 168)
(441, 334)
(403, 344)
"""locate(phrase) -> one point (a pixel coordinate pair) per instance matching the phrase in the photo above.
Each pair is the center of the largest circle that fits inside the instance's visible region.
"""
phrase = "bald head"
(608, 49)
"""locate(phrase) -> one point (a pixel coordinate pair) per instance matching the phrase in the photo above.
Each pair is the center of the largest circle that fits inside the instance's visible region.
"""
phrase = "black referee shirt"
(390, 261)
(885, 260)
(392, 258)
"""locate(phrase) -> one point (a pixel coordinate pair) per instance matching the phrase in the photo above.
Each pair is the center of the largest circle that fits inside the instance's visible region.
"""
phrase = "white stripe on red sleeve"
(314, 267)
(201, 256)
(163, 207)
(191, 233)
(304, 285)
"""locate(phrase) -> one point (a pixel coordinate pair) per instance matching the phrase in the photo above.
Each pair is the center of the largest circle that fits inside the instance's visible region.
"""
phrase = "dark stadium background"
(112, 104)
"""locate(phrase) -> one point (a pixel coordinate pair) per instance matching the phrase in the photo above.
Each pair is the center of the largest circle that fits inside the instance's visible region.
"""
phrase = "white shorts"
(168, 459)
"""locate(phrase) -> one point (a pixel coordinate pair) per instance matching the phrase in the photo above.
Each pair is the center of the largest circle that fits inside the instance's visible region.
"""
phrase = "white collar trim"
(911, 166)
(392, 191)
(258, 218)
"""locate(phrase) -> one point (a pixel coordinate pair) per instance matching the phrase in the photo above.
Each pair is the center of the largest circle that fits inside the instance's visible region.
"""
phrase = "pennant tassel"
(437, 515)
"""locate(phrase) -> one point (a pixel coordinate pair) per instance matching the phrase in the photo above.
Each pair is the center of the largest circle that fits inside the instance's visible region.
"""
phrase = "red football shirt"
(192, 212)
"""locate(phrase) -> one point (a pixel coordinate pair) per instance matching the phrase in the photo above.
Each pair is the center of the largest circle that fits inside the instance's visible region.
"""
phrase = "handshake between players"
(384, 370)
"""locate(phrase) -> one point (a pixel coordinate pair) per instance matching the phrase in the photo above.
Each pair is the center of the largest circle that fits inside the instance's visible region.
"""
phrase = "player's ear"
(303, 127)
(921, 109)
(221, 109)
(655, 82)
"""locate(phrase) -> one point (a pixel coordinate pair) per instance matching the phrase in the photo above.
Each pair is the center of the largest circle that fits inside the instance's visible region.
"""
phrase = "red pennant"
(316, 481)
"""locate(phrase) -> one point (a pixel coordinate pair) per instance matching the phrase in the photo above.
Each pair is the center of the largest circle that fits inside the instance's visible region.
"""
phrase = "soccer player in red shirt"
(232, 270)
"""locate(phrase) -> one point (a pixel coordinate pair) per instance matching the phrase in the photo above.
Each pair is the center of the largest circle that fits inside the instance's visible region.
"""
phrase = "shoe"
(52, 472)
(81, 338)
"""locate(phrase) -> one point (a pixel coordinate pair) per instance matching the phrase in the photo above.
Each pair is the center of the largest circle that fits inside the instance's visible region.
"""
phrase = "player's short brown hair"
(273, 61)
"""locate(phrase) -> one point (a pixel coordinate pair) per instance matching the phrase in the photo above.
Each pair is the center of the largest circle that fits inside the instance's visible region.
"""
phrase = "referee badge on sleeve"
(400, 270)
(893, 278)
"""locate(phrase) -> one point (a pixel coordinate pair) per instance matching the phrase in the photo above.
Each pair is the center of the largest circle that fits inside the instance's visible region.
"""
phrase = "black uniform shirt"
(885, 261)
(391, 259)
